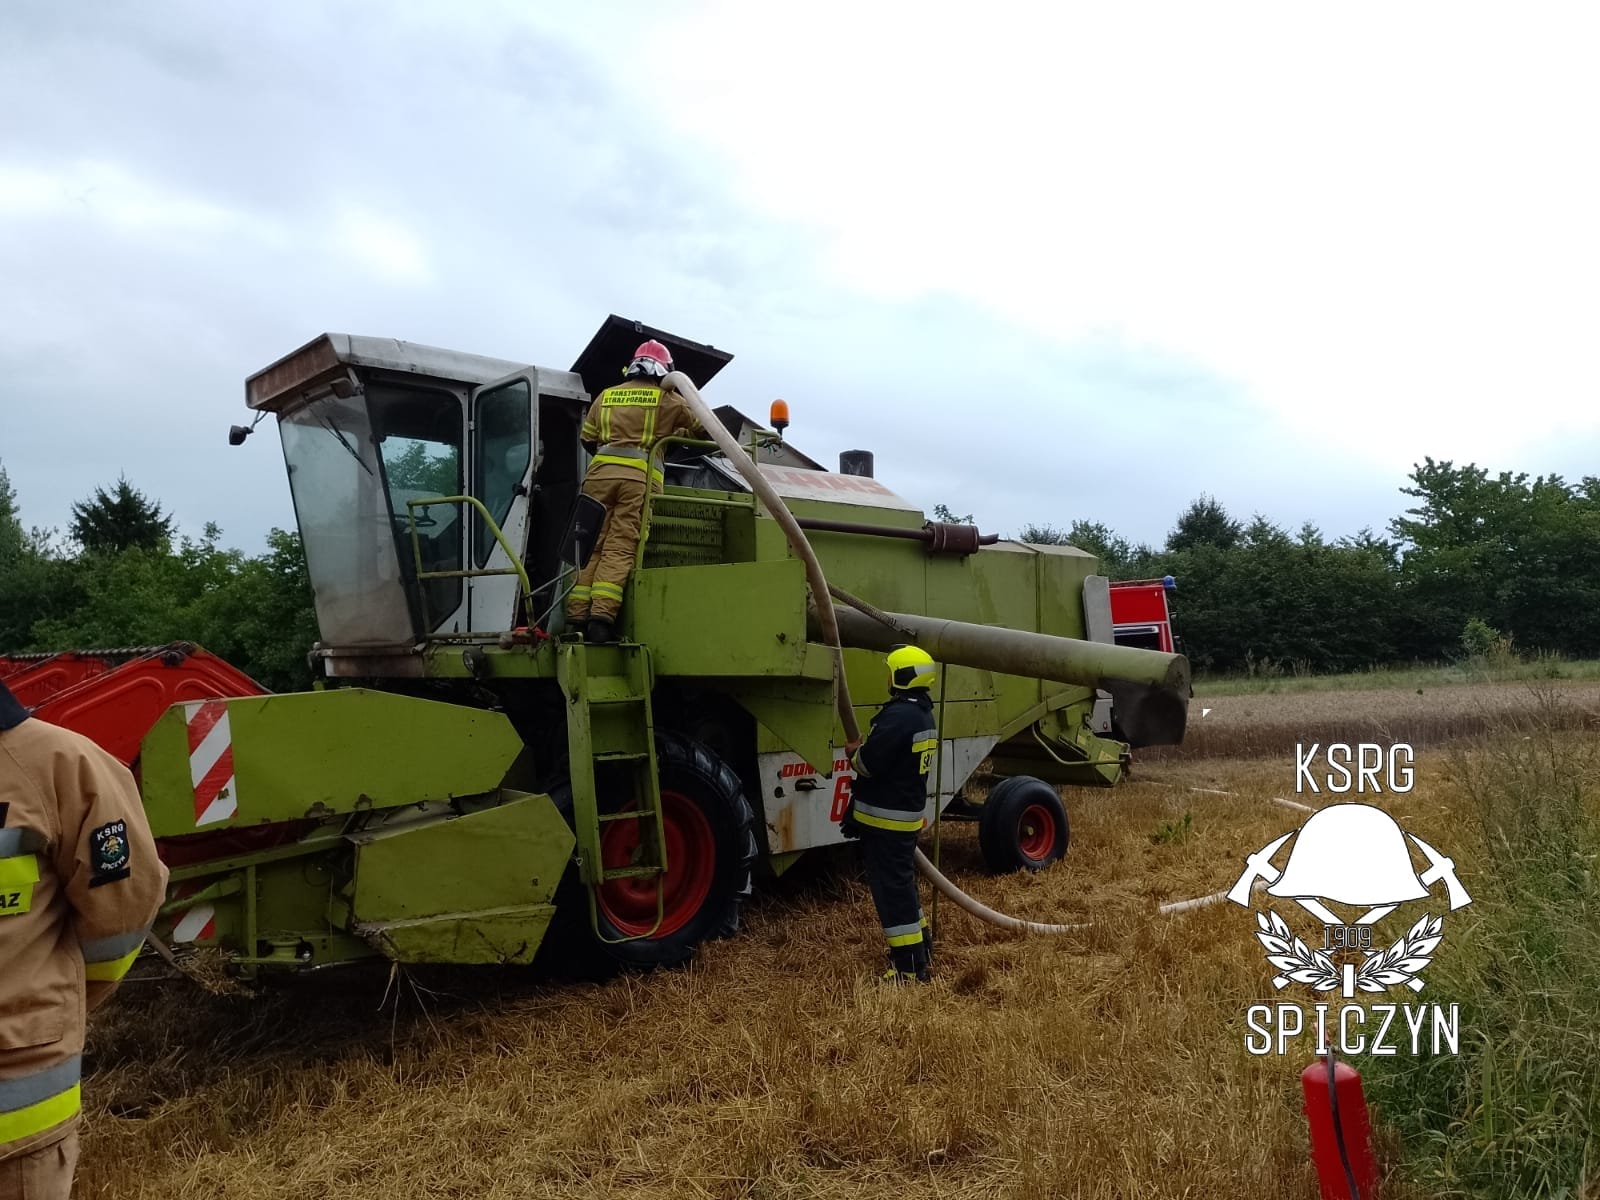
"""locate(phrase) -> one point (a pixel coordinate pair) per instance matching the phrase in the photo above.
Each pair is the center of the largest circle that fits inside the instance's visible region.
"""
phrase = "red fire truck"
(1140, 616)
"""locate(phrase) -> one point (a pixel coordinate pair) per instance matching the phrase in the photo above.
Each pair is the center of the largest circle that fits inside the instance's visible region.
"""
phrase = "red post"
(1335, 1172)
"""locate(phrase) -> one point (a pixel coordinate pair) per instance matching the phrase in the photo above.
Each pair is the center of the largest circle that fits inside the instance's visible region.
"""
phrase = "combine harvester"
(467, 784)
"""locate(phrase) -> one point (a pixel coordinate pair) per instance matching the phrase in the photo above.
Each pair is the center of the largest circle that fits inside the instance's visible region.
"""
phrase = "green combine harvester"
(468, 784)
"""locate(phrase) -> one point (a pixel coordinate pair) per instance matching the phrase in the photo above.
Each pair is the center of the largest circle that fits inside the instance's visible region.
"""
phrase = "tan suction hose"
(823, 600)
(982, 911)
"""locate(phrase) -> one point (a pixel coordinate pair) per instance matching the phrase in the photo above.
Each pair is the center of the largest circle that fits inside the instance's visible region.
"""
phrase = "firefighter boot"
(908, 964)
(922, 962)
(599, 630)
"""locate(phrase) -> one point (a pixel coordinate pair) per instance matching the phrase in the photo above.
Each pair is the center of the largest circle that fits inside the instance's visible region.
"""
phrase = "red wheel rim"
(630, 904)
(1036, 833)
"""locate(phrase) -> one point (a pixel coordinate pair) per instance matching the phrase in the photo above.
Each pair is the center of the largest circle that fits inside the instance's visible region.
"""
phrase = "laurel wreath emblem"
(1300, 963)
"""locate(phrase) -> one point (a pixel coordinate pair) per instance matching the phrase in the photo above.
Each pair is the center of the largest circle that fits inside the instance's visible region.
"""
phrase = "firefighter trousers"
(598, 592)
(890, 862)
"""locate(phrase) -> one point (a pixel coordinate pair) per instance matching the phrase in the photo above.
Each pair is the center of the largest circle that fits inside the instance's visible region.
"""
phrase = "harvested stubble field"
(1424, 716)
(1105, 1063)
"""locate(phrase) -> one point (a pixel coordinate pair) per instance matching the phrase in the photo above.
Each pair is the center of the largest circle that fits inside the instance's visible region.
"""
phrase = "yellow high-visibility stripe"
(609, 590)
(617, 459)
(906, 939)
(110, 972)
(928, 744)
(887, 823)
(36, 1118)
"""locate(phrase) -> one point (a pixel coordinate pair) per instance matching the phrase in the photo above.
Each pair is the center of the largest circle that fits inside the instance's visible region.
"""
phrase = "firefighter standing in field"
(79, 886)
(886, 808)
(624, 423)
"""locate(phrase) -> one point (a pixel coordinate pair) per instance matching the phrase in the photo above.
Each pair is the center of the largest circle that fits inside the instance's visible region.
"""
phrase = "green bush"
(1479, 638)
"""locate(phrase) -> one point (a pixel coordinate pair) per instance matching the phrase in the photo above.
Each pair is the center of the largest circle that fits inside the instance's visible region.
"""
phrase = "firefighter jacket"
(79, 886)
(627, 421)
(891, 786)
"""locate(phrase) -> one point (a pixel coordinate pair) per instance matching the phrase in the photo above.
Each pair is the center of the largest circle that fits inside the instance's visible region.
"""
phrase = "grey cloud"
(541, 197)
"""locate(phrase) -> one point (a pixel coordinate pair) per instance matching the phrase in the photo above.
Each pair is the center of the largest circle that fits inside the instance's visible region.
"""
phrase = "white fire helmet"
(1350, 854)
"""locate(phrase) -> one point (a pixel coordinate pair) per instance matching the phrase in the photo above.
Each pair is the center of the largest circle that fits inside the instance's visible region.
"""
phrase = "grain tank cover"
(798, 483)
(611, 349)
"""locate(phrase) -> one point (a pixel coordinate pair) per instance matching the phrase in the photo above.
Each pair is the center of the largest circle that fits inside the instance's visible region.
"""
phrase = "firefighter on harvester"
(887, 802)
(624, 423)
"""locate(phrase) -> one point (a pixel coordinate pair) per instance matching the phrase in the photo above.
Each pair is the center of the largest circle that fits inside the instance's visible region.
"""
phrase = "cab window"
(419, 434)
(504, 448)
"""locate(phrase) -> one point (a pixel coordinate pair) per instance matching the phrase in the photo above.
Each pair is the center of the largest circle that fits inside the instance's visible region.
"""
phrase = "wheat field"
(1106, 1063)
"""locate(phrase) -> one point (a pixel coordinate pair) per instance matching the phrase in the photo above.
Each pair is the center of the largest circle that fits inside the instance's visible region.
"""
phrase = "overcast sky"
(1046, 261)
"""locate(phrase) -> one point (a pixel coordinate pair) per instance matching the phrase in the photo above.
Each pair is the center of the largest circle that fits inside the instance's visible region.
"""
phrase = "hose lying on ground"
(822, 597)
(982, 911)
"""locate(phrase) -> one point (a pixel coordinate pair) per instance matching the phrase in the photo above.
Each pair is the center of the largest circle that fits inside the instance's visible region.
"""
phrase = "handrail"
(516, 568)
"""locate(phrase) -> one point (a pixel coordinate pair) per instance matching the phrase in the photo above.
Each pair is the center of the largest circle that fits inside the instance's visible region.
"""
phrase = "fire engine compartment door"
(503, 456)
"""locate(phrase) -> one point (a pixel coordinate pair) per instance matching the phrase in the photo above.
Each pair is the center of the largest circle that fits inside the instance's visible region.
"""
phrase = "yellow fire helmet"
(911, 667)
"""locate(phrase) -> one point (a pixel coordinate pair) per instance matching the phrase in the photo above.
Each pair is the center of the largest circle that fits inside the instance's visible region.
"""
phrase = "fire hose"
(822, 597)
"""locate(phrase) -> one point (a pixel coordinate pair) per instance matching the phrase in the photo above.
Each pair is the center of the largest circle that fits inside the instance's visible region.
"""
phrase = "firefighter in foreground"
(624, 423)
(886, 808)
(79, 886)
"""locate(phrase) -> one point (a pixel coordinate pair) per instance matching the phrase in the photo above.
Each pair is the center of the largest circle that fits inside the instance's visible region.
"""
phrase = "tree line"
(121, 576)
(1477, 559)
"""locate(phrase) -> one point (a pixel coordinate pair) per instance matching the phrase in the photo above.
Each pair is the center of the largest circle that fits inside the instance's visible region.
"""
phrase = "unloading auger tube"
(822, 601)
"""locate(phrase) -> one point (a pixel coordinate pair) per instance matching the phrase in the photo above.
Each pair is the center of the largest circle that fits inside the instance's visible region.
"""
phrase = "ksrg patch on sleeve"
(108, 853)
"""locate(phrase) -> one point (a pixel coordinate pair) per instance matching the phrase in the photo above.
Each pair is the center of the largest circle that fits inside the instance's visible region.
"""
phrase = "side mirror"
(237, 434)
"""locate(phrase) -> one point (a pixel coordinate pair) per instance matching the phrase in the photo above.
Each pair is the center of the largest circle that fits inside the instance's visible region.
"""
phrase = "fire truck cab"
(1140, 616)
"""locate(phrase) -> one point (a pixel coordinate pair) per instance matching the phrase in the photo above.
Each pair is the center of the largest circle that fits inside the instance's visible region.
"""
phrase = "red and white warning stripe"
(211, 761)
(196, 925)
(199, 923)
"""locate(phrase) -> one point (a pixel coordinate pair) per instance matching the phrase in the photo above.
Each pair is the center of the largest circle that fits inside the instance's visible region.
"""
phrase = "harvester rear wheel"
(1022, 826)
(711, 851)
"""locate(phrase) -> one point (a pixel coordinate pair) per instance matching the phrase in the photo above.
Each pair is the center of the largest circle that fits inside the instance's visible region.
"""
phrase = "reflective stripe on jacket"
(80, 884)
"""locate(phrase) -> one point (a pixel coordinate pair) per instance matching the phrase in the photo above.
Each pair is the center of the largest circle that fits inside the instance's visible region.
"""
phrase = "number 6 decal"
(841, 798)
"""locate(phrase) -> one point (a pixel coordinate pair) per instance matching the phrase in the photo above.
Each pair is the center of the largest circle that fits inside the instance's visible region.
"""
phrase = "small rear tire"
(1022, 826)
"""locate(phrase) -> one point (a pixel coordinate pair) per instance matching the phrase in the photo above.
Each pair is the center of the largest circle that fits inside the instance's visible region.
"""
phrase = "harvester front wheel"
(1022, 826)
(711, 851)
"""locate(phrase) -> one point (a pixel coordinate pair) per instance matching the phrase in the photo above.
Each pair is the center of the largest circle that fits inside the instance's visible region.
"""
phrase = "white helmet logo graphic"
(1350, 854)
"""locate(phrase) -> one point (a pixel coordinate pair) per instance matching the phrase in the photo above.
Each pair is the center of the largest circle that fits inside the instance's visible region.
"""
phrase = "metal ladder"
(609, 724)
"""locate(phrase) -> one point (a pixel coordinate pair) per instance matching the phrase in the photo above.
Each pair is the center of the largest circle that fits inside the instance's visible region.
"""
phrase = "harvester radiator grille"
(683, 533)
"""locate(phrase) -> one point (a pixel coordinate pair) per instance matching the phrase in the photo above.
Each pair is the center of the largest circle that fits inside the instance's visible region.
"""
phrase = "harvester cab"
(433, 488)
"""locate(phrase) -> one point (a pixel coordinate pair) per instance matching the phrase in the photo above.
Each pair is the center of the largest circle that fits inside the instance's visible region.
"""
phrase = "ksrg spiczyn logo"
(1357, 857)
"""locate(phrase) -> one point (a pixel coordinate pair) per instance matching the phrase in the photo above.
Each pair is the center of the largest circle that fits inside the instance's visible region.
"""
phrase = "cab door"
(503, 443)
